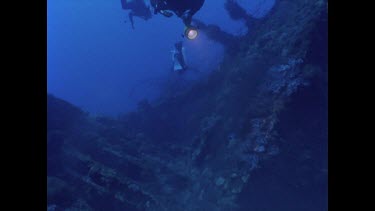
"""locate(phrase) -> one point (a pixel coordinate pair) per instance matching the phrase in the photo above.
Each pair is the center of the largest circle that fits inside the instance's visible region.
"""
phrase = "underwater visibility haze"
(99, 63)
(200, 105)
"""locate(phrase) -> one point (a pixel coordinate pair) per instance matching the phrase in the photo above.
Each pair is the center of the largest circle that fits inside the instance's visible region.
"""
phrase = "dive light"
(191, 32)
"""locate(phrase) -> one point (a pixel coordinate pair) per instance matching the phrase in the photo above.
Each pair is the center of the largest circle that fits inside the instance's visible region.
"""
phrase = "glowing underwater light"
(191, 33)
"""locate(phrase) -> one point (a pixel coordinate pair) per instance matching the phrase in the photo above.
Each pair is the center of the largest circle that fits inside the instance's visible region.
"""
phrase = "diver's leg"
(125, 4)
(182, 62)
(131, 19)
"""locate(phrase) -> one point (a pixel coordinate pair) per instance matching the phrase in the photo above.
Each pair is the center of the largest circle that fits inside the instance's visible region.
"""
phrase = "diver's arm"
(186, 18)
(188, 14)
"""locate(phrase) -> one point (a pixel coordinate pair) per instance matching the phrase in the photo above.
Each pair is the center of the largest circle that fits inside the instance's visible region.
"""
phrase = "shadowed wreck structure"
(251, 136)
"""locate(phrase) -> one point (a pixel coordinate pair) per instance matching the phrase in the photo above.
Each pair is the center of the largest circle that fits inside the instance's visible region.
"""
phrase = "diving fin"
(166, 13)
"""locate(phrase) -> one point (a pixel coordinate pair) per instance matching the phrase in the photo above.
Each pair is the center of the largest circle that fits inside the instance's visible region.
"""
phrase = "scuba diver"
(184, 9)
(178, 56)
(138, 8)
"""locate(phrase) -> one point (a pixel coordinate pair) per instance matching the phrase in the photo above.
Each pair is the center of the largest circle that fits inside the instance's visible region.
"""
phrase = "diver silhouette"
(184, 9)
(137, 8)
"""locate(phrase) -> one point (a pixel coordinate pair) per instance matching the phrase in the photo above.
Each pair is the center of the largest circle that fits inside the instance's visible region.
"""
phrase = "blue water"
(99, 63)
